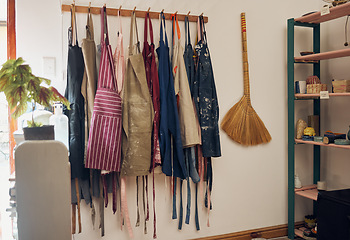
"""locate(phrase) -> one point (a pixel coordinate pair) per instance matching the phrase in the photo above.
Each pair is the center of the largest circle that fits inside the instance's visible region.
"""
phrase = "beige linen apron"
(89, 84)
(188, 121)
(137, 113)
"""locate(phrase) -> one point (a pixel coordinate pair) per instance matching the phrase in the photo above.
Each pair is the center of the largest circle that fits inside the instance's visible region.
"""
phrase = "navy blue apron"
(169, 127)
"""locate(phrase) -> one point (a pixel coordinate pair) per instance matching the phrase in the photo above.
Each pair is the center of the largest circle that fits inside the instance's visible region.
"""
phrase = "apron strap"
(181, 207)
(104, 28)
(196, 210)
(147, 17)
(102, 211)
(150, 30)
(125, 206)
(72, 33)
(147, 215)
(199, 29)
(120, 23)
(133, 30)
(187, 32)
(93, 210)
(78, 202)
(174, 198)
(188, 157)
(145, 33)
(89, 26)
(204, 33)
(137, 203)
(74, 217)
(176, 26)
(154, 208)
(163, 36)
(209, 186)
(120, 67)
(114, 184)
(175, 29)
(105, 190)
(144, 197)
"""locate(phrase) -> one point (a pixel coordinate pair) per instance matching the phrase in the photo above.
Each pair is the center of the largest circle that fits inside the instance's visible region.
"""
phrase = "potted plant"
(21, 87)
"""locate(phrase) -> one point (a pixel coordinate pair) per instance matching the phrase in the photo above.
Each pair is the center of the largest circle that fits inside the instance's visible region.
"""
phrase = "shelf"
(310, 192)
(335, 12)
(324, 55)
(306, 61)
(316, 95)
(299, 141)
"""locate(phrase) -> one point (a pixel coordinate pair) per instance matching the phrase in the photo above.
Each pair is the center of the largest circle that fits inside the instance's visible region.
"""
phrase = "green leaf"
(3, 83)
(58, 97)
(34, 85)
(44, 96)
(47, 81)
(31, 123)
(9, 63)
(20, 109)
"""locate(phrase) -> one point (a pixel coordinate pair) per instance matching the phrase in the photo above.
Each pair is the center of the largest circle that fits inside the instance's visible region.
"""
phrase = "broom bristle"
(243, 125)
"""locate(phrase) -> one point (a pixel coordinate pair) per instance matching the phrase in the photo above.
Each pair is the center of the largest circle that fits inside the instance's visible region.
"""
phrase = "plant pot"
(45, 132)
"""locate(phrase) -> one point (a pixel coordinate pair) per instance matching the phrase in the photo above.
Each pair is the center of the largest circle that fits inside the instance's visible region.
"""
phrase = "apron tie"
(78, 203)
(137, 203)
(125, 206)
(102, 209)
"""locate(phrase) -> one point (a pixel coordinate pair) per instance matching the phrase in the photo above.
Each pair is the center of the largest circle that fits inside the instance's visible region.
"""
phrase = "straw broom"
(241, 122)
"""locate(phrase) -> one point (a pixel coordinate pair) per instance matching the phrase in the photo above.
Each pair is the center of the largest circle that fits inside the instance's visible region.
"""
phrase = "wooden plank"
(335, 12)
(312, 95)
(325, 55)
(310, 194)
(267, 232)
(322, 144)
(128, 12)
(308, 187)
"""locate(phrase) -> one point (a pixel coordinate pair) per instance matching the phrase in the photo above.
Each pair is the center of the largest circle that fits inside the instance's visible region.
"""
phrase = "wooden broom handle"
(245, 56)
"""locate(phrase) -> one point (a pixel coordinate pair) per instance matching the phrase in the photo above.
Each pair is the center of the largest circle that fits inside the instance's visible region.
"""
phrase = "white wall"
(250, 183)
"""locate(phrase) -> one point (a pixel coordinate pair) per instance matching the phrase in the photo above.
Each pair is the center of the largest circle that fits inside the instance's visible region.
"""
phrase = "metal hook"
(149, 9)
(120, 8)
(134, 9)
(188, 13)
(162, 11)
(175, 13)
(201, 15)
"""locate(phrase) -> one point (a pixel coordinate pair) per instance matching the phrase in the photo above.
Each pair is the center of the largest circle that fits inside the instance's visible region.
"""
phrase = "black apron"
(76, 116)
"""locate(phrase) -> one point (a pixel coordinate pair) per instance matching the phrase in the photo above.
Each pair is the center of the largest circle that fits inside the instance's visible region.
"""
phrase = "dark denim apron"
(169, 128)
(190, 155)
(204, 93)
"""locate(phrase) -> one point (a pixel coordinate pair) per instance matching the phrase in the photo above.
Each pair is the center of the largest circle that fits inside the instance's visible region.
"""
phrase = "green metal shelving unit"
(291, 116)
(309, 21)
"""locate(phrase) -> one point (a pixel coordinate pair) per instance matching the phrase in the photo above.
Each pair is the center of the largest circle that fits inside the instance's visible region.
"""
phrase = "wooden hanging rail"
(127, 13)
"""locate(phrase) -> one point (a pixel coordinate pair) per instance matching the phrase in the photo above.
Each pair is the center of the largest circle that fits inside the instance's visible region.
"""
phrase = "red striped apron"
(104, 145)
